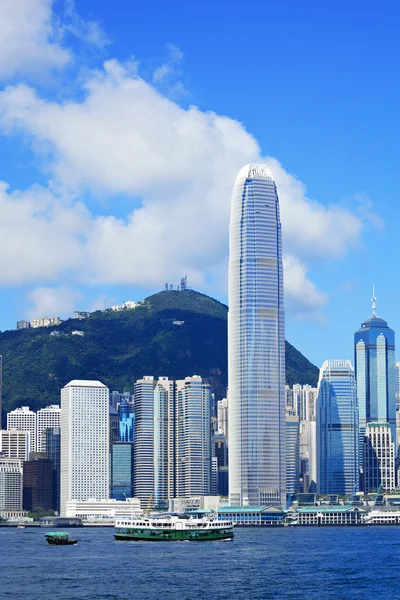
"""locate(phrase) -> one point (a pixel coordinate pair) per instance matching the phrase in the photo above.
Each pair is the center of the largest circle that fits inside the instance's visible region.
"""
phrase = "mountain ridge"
(171, 333)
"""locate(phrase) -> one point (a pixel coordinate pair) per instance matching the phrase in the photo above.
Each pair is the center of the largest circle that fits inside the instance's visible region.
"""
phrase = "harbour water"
(322, 563)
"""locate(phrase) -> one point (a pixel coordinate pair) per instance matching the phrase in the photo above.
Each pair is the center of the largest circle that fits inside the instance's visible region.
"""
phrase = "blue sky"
(117, 184)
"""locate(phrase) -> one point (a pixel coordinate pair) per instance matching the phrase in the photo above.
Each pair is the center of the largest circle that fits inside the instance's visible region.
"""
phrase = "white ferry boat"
(173, 528)
(382, 517)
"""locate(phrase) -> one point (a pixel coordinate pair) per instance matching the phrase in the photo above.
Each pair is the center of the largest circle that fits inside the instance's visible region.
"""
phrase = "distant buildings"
(222, 416)
(337, 429)
(256, 343)
(126, 418)
(46, 418)
(45, 322)
(292, 454)
(84, 442)
(24, 420)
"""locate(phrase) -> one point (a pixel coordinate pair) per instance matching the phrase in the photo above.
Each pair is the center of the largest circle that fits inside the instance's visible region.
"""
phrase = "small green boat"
(172, 529)
(59, 538)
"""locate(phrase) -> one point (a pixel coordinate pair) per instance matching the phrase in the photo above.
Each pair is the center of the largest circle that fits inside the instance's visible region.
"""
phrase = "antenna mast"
(373, 300)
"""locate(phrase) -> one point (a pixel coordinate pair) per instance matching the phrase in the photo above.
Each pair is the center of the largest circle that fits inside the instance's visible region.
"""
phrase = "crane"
(377, 494)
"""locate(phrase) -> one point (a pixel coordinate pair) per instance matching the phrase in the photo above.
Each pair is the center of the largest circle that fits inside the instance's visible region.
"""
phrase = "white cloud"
(125, 137)
(29, 38)
(52, 302)
(41, 236)
(302, 298)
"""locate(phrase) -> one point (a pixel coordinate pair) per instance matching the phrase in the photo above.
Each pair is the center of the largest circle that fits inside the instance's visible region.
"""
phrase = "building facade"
(84, 442)
(337, 429)
(24, 420)
(375, 374)
(222, 416)
(38, 482)
(379, 457)
(256, 343)
(122, 458)
(46, 418)
(144, 440)
(10, 485)
(292, 454)
(15, 443)
(53, 450)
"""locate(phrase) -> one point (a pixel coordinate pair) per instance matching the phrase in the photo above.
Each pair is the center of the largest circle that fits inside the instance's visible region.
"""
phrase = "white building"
(24, 420)
(100, 510)
(163, 440)
(256, 343)
(10, 487)
(15, 444)
(45, 321)
(84, 442)
(378, 457)
(144, 439)
(222, 416)
(47, 418)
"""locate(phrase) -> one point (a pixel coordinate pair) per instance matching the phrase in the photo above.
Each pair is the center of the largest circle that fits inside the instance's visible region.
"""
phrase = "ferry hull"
(132, 535)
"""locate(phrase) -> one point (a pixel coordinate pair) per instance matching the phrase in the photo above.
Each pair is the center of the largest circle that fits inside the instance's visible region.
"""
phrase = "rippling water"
(336, 563)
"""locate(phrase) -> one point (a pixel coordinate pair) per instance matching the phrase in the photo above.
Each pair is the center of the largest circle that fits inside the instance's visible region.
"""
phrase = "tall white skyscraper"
(256, 343)
(46, 418)
(164, 422)
(24, 420)
(144, 439)
(10, 486)
(84, 442)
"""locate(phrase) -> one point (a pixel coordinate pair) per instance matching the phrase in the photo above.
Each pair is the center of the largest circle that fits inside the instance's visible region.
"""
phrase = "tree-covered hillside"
(119, 347)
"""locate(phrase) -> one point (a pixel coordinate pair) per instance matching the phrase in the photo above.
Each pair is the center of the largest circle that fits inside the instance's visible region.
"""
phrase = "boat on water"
(21, 526)
(59, 538)
(173, 528)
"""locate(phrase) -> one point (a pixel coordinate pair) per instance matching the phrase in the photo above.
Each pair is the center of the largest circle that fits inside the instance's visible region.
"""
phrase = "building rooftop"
(328, 509)
(85, 383)
(253, 171)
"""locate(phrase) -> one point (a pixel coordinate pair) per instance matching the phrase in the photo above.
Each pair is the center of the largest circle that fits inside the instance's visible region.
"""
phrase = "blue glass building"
(126, 420)
(121, 470)
(375, 374)
(256, 343)
(337, 429)
(53, 449)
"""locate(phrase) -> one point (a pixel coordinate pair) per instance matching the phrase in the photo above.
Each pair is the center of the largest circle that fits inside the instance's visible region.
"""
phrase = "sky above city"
(123, 125)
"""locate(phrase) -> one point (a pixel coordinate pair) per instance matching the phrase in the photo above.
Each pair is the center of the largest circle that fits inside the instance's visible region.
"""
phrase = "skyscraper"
(53, 450)
(375, 374)
(46, 418)
(24, 420)
(144, 439)
(164, 441)
(292, 454)
(15, 443)
(1, 392)
(337, 428)
(84, 442)
(378, 457)
(121, 470)
(256, 343)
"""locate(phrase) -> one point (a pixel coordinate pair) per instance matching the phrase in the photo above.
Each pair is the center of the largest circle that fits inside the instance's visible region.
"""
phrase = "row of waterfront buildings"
(337, 438)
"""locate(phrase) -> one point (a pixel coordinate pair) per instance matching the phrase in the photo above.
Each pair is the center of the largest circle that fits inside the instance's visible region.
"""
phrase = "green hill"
(119, 347)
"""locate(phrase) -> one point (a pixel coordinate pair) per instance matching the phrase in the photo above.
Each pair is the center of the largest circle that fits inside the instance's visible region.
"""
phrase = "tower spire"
(373, 301)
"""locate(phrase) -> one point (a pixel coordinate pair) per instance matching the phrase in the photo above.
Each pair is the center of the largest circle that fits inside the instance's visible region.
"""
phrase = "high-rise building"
(337, 428)
(122, 470)
(222, 416)
(114, 425)
(84, 442)
(144, 439)
(24, 420)
(38, 482)
(292, 454)
(398, 386)
(53, 445)
(46, 418)
(126, 419)
(308, 456)
(379, 465)
(1, 392)
(15, 444)
(375, 374)
(220, 452)
(194, 449)
(164, 441)
(10, 486)
(256, 343)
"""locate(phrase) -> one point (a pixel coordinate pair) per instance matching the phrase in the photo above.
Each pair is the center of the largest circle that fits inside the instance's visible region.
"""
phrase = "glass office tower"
(122, 470)
(375, 374)
(337, 429)
(256, 343)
